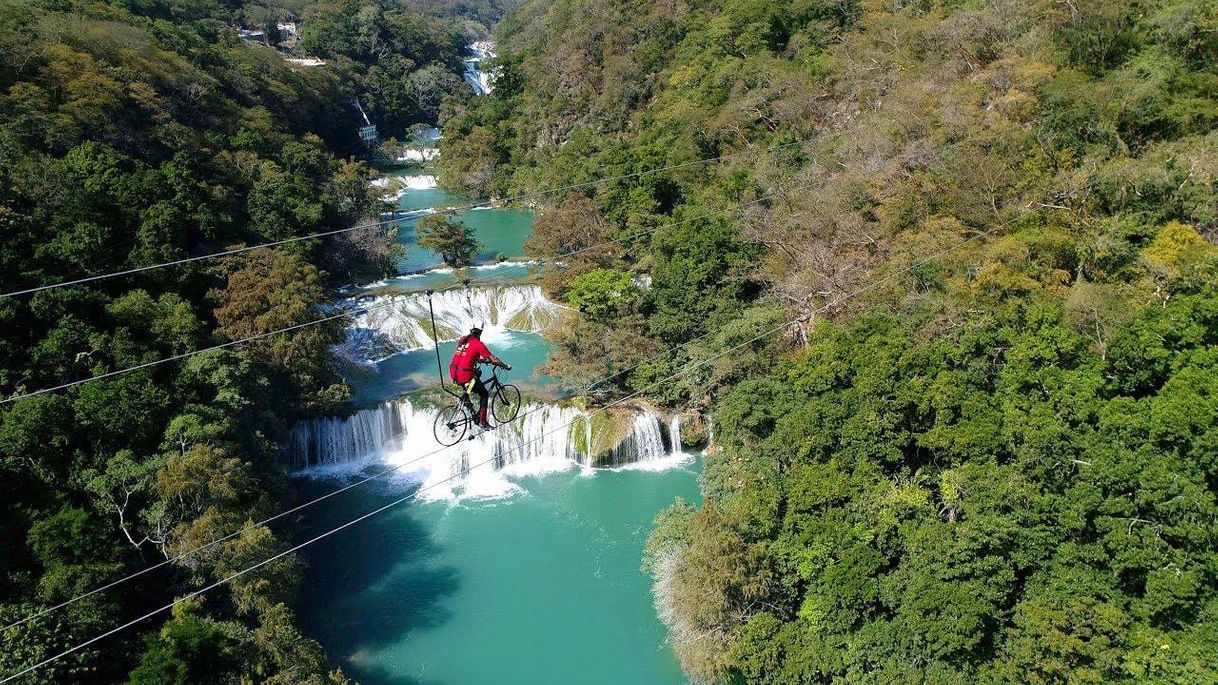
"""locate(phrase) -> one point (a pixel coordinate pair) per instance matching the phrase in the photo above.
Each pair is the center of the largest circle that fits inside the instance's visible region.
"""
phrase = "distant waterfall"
(418, 155)
(395, 187)
(397, 323)
(478, 79)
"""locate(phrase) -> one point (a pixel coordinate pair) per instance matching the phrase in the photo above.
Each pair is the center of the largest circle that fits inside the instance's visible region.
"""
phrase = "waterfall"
(397, 186)
(643, 442)
(398, 432)
(674, 434)
(398, 323)
(418, 182)
(478, 79)
(334, 441)
(426, 154)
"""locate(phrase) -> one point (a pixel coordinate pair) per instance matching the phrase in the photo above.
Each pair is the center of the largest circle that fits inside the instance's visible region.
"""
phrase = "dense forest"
(983, 445)
(402, 65)
(137, 132)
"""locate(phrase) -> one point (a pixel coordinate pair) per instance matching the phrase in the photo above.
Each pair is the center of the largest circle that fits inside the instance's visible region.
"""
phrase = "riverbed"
(530, 577)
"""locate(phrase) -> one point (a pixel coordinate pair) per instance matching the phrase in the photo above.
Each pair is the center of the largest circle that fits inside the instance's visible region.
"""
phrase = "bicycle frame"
(463, 413)
(493, 383)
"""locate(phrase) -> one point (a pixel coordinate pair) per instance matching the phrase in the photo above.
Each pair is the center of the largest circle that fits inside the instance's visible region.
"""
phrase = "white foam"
(656, 465)
(419, 182)
(426, 154)
(402, 322)
(479, 80)
(409, 214)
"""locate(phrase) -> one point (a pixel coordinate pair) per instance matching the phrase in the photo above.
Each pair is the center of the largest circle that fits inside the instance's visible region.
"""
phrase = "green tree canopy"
(602, 292)
(455, 241)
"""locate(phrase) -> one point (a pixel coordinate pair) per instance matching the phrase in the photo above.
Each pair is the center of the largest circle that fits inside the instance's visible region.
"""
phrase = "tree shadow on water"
(369, 587)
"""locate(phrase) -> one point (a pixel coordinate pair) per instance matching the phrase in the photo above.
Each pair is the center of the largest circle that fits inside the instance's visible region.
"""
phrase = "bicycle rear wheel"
(451, 424)
(505, 404)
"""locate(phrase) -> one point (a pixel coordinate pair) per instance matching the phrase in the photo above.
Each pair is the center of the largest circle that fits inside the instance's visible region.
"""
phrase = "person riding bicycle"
(464, 370)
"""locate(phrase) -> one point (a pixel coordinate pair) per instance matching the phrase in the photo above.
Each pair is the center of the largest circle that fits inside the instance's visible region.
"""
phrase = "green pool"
(543, 587)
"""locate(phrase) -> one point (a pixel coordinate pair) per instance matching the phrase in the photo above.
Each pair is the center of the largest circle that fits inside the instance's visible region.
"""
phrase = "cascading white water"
(397, 186)
(418, 182)
(426, 154)
(422, 148)
(478, 79)
(674, 434)
(398, 323)
(644, 441)
(399, 428)
(399, 433)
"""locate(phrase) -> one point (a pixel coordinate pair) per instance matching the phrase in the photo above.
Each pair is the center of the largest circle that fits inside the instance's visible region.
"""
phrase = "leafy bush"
(602, 292)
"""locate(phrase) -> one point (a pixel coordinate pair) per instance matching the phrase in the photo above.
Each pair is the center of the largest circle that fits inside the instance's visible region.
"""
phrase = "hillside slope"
(137, 133)
(995, 462)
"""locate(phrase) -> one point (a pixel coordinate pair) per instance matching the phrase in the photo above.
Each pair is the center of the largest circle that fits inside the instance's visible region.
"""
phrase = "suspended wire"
(374, 512)
(184, 355)
(416, 460)
(446, 210)
(353, 312)
(304, 505)
(689, 366)
(187, 260)
(400, 466)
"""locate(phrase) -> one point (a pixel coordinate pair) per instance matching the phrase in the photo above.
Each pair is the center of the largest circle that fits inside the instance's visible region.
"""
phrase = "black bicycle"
(455, 420)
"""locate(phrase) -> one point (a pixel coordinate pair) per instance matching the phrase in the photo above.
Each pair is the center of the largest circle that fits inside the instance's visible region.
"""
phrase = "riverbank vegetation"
(401, 64)
(137, 133)
(983, 450)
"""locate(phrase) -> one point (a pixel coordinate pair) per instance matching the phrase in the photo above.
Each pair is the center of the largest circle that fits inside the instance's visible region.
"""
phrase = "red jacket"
(464, 365)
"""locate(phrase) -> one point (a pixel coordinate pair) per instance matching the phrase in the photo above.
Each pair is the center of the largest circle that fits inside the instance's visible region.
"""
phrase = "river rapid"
(518, 561)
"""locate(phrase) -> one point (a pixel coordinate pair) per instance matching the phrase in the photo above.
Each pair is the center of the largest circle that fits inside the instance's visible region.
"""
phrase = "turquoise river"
(539, 584)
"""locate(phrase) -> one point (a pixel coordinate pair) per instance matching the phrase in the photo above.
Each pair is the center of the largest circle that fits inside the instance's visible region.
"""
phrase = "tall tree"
(455, 241)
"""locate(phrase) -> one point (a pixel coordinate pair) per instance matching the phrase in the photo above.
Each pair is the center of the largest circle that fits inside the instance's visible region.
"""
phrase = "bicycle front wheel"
(451, 424)
(505, 404)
